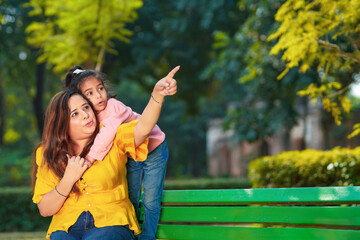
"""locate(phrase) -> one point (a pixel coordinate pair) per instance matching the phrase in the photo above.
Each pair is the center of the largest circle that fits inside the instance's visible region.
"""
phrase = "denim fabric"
(151, 175)
(85, 229)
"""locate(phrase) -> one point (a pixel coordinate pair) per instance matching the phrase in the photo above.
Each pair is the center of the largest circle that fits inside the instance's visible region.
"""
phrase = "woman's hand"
(75, 168)
(166, 86)
(52, 201)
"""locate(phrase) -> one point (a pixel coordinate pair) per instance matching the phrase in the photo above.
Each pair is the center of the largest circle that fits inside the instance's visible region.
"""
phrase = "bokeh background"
(261, 83)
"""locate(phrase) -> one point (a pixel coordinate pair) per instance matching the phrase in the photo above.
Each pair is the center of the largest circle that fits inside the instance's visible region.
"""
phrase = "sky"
(355, 90)
(355, 87)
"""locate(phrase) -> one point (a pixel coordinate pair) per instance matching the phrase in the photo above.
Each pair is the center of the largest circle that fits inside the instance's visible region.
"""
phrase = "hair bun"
(70, 76)
(76, 67)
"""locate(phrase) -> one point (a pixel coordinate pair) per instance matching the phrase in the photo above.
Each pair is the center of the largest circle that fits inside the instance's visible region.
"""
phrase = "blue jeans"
(85, 229)
(151, 174)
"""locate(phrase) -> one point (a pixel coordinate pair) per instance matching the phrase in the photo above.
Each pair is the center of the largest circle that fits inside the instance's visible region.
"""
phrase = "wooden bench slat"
(336, 216)
(246, 196)
(251, 233)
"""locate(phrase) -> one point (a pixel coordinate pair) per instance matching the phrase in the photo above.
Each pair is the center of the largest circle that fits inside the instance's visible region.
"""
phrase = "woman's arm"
(52, 201)
(150, 115)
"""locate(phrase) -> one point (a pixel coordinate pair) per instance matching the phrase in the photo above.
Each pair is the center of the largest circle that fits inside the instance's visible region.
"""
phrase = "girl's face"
(82, 118)
(94, 90)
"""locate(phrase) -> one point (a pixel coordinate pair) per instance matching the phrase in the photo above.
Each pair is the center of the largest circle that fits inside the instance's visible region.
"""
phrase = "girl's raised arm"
(149, 117)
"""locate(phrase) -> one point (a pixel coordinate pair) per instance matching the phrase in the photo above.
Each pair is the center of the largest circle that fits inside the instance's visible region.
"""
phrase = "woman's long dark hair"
(56, 142)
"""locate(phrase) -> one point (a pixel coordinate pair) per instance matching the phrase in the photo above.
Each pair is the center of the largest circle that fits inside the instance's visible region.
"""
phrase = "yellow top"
(104, 189)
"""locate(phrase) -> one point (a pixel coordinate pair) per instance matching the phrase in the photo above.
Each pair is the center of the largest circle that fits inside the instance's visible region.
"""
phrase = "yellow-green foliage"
(330, 104)
(307, 168)
(307, 28)
(77, 31)
(309, 34)
(356, 131)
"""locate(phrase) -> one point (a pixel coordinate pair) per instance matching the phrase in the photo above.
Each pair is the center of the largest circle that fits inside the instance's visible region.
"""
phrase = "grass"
(23, 235)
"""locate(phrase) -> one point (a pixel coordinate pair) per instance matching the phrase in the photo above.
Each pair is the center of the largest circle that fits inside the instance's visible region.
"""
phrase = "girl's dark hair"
(74, 80)
(56, 142)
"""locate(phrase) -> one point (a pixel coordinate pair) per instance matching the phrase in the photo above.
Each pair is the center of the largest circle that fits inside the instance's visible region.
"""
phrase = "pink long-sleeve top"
(111, 118)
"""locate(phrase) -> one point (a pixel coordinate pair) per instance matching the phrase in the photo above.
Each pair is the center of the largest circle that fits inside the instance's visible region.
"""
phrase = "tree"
(262, 104)
(17, 64)
(79, 31)
(166, 34)
(322, 34)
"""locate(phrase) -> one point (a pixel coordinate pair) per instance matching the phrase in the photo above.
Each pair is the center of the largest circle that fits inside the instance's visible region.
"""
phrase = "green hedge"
(15, 168)
(207, 183)
(307, 168)
(19, 213)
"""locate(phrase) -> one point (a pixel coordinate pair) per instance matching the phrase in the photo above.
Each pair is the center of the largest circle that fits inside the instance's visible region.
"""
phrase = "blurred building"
(316, 130)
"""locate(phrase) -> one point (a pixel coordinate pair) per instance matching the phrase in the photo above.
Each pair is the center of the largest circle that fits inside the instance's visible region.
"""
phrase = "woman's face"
(82, 118)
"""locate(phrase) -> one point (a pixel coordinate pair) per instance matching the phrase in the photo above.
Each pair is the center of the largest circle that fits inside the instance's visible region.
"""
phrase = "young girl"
(112, 113)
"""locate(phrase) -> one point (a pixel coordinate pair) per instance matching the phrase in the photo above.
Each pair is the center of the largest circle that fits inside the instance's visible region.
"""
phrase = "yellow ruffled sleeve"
(125, 140)
(45, 178)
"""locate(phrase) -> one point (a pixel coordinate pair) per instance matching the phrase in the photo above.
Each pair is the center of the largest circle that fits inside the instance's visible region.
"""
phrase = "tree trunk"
(304, 102)
(326, 122)
(264, 148)
(100, 59)
(108, 61)
(286, 139)
(2, 113)
(38, 100)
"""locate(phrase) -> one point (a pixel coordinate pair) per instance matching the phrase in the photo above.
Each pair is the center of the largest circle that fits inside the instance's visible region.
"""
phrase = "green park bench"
(261, 214)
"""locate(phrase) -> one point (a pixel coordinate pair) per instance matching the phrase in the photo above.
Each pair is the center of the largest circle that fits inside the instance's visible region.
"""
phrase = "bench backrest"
(253, 214)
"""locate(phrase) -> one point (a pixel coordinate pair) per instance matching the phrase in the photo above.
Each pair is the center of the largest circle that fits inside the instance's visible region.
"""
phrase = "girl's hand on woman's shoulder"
(75, 168)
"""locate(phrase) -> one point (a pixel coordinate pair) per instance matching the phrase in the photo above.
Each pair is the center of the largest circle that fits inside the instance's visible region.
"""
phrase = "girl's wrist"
(88, 161)
(157, 98)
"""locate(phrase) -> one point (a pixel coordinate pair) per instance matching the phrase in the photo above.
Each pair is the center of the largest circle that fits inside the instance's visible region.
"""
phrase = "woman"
(89, 203)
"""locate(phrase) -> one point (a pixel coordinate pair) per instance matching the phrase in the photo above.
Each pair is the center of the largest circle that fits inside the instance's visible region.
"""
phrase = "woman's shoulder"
(39, 151)
(126, 130)
(127, 127)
